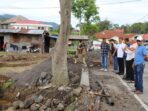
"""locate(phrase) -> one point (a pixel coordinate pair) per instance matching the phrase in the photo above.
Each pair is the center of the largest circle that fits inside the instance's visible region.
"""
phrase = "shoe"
(138, 92)
(117, 72)
(101, 69)
(105, 70)
(130, 81)
(120, 74)
(134, 90)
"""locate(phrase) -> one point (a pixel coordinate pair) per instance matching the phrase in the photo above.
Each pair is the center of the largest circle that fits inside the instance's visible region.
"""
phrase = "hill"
(53, 24)
(6, 16)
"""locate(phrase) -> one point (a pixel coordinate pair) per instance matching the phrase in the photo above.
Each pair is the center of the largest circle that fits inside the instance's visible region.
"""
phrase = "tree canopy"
(85, 10)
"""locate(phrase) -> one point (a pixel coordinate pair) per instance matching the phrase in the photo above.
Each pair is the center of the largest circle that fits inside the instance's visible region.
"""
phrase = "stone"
(55, 102)
(18, 104)
(21, 105)
(48, 109)
(64, 88)
(38, 99)
(40, 81)
(60, 107)
(43, 108)
(46, 86)
(34, 107)
(27, 85)
(48, 103)
(77, 91)
(43, 75)
(28, 102)
(10, 109)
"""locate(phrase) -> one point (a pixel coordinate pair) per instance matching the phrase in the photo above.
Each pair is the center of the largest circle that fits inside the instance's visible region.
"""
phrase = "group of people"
(128, 59)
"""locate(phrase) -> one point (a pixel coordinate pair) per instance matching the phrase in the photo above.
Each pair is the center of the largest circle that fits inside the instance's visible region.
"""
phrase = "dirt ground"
(34, 66)
(19, 62)
(123, 99)
(26, 81)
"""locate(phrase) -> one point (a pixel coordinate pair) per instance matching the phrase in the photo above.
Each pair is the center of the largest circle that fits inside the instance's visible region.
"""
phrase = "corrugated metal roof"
(78, 37)
(54, 37)
(22, 31)
(35, 31)
(9, 30)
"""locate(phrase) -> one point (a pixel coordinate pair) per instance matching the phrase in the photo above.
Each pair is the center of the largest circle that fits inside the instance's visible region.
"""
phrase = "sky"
(116, 11)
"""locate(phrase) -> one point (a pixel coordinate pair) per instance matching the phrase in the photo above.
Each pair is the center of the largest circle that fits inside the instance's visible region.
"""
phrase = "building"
(20, 39)
(5, 24)
(20, 22)
(30, 24)
(114, 34)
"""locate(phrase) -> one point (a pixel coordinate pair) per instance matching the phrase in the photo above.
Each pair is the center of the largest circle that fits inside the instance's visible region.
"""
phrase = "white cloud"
(125, 13)
(122, 13)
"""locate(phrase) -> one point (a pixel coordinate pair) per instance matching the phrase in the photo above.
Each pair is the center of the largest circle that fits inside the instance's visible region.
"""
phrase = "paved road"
(145, 95)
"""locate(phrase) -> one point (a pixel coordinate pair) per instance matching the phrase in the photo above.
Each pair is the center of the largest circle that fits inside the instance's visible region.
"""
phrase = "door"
(1, 43)
(46, 45)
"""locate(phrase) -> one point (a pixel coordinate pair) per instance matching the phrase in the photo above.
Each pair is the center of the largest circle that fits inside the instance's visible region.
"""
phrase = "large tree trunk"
(59, 58)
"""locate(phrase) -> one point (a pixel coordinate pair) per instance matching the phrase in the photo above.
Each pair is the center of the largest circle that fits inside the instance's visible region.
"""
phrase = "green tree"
(136, 28)
(126, 28)
(90, 12)
(89, 29)
(104, 25)
(85, 10)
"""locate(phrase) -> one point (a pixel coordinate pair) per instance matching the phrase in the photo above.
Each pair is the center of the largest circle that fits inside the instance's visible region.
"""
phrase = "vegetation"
(138, 28)
(87, 12)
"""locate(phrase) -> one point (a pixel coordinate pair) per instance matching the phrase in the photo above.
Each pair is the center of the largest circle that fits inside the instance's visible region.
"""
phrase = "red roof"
(129, 35)
(111, 33)
(145, 36)
(29, 22)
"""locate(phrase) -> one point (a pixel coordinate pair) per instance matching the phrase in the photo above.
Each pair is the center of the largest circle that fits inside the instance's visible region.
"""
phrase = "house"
(20, 39)
(5, 24)
(30, 24)
(113, 34)
(145, 37)
(20, 22)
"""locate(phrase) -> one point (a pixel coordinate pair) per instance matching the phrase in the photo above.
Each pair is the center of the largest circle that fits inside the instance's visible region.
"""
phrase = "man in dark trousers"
(120, 56)
(139, 64)
(104, 55)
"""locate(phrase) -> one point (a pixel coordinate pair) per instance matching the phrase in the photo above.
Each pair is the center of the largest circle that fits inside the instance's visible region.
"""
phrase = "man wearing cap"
(139, 63)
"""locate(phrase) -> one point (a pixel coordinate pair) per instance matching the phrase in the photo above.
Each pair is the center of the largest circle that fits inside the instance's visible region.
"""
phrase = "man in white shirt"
(120, 56)
(129, 61)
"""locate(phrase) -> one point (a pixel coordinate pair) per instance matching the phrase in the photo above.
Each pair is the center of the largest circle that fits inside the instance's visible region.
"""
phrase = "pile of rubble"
(41, 102)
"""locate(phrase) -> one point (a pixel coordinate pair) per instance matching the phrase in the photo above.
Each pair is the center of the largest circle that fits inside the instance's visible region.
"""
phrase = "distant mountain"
(53, 24)
(10, 17)
(6, 16)
(15, 19)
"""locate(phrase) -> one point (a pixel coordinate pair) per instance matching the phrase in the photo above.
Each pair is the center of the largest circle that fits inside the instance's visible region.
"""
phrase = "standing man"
(114, 54)
(120, 56)
(139, 63)
(81, 52)
(104, 55)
